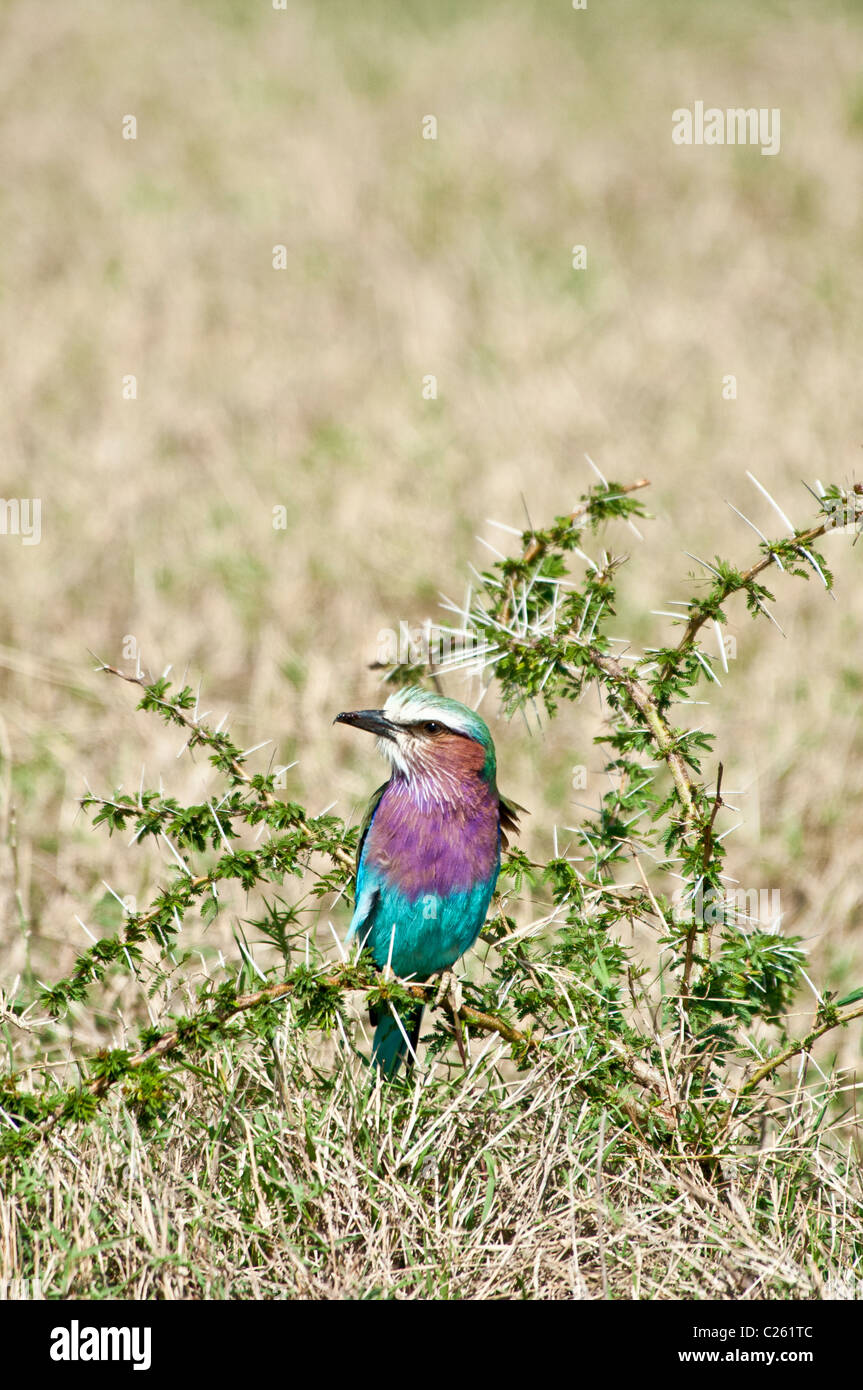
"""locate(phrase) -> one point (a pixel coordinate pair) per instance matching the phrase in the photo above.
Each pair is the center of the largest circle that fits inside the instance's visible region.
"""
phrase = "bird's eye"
(431, 726)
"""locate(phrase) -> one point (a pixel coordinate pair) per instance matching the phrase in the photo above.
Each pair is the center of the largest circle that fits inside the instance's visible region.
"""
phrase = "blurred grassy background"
(303, 388)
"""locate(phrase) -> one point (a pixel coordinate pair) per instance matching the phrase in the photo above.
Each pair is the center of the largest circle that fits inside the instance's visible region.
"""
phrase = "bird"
(429, 848)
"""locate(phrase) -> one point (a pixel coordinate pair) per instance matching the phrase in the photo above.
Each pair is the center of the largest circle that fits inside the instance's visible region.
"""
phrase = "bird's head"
(428, 737)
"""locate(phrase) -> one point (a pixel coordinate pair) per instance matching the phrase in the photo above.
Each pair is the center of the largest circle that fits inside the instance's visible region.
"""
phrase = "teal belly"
(421, 937)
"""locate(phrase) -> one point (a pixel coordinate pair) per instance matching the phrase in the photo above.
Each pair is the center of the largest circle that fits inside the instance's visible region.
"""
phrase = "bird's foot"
(449, 991)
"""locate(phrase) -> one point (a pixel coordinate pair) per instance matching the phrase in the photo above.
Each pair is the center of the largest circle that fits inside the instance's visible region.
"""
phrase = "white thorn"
(115, 895)
(337, 940)
(722, 653)
(704, 563)
(488, 545)
(249, 957)
(603, 480)
(775, 505)
(182, 864)
(86, 928)
(711, 674)
(228, 845)
(248, 751)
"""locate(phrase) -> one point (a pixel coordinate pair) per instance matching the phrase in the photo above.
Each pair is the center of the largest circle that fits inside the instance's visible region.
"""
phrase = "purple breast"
(434, 847)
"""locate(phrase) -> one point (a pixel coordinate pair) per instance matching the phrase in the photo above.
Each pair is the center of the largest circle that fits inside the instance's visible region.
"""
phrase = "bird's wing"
(509, 814)
(366, 891)
(366, 822)
(367, 896)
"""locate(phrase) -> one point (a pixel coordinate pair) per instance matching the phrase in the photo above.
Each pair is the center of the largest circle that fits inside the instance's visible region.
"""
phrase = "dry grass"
(258, 388)
(478, 1187)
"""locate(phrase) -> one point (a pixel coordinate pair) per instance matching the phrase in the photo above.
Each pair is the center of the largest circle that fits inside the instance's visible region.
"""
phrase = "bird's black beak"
(373, 720)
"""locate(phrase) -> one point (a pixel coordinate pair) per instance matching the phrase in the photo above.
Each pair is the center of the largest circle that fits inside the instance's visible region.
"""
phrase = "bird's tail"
(389, 1048)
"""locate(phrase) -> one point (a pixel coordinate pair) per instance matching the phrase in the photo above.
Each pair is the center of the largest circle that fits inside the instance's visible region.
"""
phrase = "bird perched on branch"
(429, 848)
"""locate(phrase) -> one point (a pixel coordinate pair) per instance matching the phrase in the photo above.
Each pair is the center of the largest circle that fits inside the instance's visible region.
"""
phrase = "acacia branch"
(203, 735)
(664, 740)
(698, 619)
(179, 716)
(666, 746)
(538, 545)
(793, 1050)
(169, 1042)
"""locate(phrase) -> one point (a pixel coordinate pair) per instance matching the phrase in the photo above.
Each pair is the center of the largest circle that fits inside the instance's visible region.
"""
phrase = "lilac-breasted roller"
(429, 848)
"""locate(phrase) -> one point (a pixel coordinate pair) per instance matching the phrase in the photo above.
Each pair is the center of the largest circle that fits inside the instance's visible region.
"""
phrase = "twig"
(646, 1075)
(178, 716)
(698, 619)
(536, 546)
(794, 1050)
